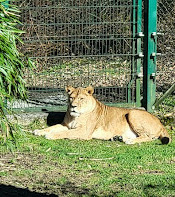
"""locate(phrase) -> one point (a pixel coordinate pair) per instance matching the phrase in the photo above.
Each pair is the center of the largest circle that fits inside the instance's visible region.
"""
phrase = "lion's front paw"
(51, 136)
(39, 132)
(129, 141)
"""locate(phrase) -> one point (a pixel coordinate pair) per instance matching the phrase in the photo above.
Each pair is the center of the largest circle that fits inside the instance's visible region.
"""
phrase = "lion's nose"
(73, 105)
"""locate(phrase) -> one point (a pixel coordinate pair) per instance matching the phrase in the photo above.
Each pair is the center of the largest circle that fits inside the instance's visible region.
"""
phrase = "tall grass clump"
(12, 65)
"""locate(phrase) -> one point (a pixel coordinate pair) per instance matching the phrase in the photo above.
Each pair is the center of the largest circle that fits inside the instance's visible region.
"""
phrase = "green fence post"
(136, 50)
(139, 52)
(150, 49)
(5, 4)
(133, 29)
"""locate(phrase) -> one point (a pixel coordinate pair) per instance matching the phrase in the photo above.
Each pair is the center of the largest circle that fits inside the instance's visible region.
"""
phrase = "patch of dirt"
(26, 119)
(35, 176)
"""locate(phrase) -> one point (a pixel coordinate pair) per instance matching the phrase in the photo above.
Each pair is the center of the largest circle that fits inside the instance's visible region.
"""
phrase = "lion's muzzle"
(74, 112)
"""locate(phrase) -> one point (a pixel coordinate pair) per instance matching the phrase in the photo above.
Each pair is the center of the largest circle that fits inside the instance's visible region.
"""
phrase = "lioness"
(87, 118)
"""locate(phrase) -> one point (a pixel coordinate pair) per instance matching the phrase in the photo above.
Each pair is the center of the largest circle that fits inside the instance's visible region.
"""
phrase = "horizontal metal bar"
(78, 7)
(86, 36)
(64, 108)
(41, 109)
(38, 89)
(121, 104)
(77, 40)
(47, 89)
(78, 23)
(72, 56)
(127, 73)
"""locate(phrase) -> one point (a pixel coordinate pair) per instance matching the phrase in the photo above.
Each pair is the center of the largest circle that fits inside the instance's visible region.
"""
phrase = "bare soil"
(31, 176)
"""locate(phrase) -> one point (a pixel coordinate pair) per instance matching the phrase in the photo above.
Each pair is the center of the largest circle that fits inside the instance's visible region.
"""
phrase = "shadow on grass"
(54, 118)
(65, 189)
(12, 191)
(151, 190)
(71, 188)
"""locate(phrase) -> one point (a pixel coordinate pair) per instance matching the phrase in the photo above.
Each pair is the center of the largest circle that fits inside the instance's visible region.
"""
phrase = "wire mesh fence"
(91, 42)
(78, 43)
(166, 47)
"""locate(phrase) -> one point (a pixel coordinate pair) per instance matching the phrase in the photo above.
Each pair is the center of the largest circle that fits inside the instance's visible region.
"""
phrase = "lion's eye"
(81, 99)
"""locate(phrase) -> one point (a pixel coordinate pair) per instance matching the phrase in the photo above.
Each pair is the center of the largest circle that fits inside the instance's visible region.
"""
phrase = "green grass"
(90, 168)
(167, 107)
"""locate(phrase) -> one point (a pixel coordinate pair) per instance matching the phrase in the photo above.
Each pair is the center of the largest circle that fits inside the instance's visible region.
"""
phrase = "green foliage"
(91, 168)
(12, 64)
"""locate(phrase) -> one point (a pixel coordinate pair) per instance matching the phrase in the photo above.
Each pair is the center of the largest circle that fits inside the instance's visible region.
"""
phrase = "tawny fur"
(87, 118)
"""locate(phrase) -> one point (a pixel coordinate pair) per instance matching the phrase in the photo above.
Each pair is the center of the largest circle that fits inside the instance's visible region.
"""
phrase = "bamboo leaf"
(12, 63)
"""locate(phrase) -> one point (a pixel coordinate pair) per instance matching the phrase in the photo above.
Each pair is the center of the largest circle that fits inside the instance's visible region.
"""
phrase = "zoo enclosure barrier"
(109, 44)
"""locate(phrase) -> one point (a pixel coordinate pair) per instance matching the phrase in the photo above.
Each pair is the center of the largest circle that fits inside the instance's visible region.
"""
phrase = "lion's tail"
(165, 137)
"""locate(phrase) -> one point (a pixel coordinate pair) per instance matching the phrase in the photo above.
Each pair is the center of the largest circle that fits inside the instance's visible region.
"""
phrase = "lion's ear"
(90, 90)
(69, 89)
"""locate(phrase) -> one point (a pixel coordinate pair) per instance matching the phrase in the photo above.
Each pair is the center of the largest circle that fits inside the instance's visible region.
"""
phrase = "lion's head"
(80, 100)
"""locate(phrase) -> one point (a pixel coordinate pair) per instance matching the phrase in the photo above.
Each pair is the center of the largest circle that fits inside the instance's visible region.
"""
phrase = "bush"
(12, 64)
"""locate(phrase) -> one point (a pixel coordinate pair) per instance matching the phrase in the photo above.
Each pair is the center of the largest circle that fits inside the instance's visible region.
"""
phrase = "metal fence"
(79, 43)
(166, 46)
(87, 42)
